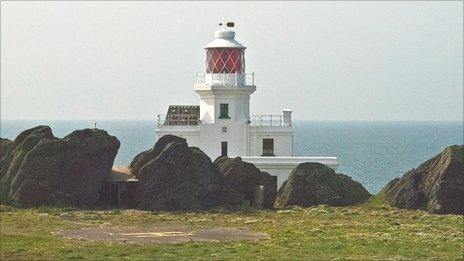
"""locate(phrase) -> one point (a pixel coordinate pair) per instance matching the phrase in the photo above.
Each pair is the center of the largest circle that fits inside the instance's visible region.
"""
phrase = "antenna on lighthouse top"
(226, 25)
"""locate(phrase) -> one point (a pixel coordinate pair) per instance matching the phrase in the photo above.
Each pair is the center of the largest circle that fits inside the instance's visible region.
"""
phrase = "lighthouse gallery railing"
(192, 120)
(266, 120)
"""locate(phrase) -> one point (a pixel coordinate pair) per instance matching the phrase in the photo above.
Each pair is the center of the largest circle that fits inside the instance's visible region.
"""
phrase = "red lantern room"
(224, 54)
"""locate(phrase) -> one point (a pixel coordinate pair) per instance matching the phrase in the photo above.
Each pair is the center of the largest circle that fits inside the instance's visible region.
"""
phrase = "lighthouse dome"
(224, 38)
(224, 33)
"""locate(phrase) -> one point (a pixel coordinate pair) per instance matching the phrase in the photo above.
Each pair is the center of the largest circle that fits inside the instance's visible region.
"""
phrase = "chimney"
(287, 117)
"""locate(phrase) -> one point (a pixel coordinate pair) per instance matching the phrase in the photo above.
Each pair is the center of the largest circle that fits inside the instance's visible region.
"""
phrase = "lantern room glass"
(225, 60)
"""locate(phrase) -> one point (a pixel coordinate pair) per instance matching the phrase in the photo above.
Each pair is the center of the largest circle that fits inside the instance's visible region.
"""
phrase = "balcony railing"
(177, 120)
(225, 79)
(193, 120)
(266, 120)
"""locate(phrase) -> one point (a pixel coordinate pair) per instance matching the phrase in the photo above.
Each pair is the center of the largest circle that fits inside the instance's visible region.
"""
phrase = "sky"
(342, 61)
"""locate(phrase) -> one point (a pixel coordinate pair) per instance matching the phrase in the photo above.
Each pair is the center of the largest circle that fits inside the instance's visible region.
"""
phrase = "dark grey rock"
(314, 183)
(5, 145)
(40, 169)
(242, 181)
(437, 185)
(173, 176)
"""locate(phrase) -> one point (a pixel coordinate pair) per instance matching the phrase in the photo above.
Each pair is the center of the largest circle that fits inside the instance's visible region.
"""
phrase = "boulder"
(437, 185)
(14, 156)
(245, 184)
(5, 145)
(173, 176)
(40, 169)
(314, 183)
(145, 156)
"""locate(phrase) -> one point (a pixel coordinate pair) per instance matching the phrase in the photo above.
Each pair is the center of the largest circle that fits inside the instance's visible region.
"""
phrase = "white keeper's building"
(222, 123)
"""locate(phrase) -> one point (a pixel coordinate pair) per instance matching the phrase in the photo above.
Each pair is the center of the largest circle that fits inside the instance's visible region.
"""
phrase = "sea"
(372, 153)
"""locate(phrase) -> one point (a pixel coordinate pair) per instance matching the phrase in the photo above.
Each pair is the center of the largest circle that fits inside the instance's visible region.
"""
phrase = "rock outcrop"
(173, 176)
(245, 184)
(314, 183)
(5, 145)
(437, 185)
(40, 169)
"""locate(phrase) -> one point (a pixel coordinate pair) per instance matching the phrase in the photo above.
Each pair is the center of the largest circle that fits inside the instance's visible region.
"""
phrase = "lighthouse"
(221, 125)
(224, 89)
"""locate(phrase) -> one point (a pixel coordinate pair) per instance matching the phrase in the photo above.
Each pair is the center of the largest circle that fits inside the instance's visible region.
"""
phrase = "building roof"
(184, 110)
(182, 115)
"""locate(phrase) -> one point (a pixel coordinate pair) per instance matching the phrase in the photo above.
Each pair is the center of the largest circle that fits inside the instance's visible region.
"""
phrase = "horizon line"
(154, 120)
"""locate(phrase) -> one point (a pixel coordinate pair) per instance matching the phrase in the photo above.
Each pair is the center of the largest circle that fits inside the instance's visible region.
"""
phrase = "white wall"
(207, 112)
(238, 107)
(238, 98)
(282, 135)
(190, 133)
(211, 136)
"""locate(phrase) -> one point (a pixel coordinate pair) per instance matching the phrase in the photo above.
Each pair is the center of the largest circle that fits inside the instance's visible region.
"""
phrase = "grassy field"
(369, 231)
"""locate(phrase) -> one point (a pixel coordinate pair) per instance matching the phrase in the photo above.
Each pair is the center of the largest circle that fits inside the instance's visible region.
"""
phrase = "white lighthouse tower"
(224, 91)
(222, 125)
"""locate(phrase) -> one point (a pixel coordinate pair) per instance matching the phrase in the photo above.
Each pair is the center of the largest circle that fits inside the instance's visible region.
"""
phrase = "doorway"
(224, 148)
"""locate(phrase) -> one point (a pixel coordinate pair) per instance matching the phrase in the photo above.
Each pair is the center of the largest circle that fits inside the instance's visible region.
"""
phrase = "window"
(225, 60)
(224, 148)
(268, 147)
(224, 129)
(224, 114)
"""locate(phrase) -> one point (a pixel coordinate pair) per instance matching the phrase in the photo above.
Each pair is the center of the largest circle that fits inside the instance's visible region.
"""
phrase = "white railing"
(234, 79)
(266, 120)
(180, 120)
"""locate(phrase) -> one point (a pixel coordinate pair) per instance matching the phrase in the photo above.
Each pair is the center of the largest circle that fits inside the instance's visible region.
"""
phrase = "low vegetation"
(367, 231)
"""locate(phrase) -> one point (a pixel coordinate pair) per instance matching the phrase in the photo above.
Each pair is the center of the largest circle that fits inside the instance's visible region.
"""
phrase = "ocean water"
(372, 153)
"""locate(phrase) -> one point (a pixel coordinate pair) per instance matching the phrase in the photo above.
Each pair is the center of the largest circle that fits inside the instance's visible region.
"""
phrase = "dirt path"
(161, 234)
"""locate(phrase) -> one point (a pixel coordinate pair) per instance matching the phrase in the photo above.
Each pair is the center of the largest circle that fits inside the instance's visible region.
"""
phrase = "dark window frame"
(224, 111)
(268, 147)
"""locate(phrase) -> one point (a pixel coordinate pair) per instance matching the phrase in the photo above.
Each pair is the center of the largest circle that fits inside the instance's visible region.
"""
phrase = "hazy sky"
(324, 60)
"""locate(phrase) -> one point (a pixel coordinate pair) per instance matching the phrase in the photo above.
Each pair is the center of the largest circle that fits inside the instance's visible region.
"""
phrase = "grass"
(369, 231)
